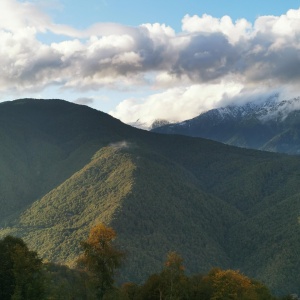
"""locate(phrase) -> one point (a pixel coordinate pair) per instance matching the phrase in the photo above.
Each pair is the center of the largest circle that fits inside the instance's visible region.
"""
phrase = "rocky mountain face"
(271, 125)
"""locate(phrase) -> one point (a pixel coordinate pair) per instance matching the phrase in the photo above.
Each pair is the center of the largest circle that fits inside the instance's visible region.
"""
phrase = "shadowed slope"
(271, 125)
(43, 142)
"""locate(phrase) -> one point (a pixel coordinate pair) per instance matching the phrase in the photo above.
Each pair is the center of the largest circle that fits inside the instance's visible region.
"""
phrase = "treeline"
(23, 275)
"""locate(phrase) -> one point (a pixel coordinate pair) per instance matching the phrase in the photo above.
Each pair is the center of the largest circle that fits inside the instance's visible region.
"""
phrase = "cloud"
(194, 69)
(15, 15)
(176, 104)
(207, 58)
(234, 32)
(84, 100)
(120, 145)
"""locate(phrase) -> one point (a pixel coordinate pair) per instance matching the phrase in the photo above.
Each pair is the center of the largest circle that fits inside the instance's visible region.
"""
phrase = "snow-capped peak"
(270, 109)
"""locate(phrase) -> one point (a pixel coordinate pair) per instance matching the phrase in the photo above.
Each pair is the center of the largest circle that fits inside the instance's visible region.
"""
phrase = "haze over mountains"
(66, 167)
(271, 125)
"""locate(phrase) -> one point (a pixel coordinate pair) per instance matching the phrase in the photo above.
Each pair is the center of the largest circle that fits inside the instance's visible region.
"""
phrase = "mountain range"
(271, 125)
(66, 167)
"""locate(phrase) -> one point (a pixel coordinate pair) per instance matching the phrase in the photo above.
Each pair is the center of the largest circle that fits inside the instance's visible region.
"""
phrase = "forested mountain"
(271, 125)
(66, 167)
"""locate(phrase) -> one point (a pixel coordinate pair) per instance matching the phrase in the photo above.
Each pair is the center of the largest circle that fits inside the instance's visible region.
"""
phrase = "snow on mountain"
(271, 109)
(271, 125)
(260, 110)
(279, 110)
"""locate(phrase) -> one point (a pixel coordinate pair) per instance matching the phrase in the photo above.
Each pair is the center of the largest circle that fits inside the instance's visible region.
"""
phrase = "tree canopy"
(20, 272)
(101, 258)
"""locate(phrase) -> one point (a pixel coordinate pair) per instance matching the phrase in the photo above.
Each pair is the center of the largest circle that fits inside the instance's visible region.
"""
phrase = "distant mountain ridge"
(66, 167)
(271, 125)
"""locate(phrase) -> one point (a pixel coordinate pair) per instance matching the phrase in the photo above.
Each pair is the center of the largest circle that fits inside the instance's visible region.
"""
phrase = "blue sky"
(82, 14)
(144, 60)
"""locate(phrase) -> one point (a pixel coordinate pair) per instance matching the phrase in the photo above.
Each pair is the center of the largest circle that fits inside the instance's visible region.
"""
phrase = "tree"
(129, 291)
(170, 284)
(152, 289)
(21, 271)
(101, 258)
(199, 288)
(159, 123)
(231, 284)
(174, 280)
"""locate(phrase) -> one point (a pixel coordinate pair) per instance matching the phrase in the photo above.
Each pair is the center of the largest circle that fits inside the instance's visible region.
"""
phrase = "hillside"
(271, 125)
(43, 143)
(67, 167)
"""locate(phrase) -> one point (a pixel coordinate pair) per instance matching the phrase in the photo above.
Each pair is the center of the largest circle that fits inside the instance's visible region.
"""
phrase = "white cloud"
(176, 104)
(195, 68)
(15, 16)
(208, 24)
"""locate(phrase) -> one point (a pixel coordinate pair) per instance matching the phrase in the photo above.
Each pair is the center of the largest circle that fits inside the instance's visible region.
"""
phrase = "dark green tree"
(21, 271)
(199, 288)
(130, 291)
(152, 289)
(101, 258)
(170, 284)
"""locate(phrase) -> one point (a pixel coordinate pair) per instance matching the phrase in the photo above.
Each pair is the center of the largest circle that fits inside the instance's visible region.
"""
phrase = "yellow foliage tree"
(231, 284)
(101, 258)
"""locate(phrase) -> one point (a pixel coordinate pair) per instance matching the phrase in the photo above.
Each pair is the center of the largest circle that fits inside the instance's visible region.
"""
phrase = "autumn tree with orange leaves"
(101, 258)
(231, 284)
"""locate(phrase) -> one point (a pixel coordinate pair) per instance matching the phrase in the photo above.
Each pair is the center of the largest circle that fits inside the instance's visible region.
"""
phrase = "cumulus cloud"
(211, 60)
(176, 104)
(234, 32)
(15, 15)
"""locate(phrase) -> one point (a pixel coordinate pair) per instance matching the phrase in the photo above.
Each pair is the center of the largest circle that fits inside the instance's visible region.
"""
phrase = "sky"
(145, 60)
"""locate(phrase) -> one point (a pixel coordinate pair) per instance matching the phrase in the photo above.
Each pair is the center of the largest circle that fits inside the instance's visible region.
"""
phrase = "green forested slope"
(167, 210)
(66, 167)
(57, 223)
(264, 189)
(153, 203)
(43, 143)
(267, 245)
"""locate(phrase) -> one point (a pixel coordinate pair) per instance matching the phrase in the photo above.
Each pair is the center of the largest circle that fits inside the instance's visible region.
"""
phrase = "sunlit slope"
(55, 225)
(154, 205)
(43, 143)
